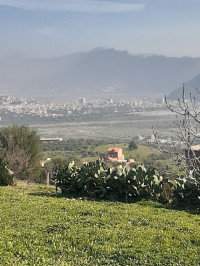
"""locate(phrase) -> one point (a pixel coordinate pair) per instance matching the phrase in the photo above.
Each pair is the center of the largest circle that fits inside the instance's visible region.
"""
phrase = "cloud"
(100, 6)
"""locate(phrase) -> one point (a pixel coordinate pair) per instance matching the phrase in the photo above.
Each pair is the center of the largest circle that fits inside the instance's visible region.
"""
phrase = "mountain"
(101, 72)
(192, 86)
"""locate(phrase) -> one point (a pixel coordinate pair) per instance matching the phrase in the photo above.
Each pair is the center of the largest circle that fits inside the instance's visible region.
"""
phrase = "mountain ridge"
(101, 72)
(192, 87)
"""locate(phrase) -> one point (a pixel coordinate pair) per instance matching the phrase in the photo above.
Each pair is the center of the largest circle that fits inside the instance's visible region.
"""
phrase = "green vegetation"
(60, 162)
(72, 147)
(21, 151)
(157, 161)
(139, 154)
(90, 149)
(53, 166)
(40, 228)
(6, 176)
(125, 183)
(132, 145)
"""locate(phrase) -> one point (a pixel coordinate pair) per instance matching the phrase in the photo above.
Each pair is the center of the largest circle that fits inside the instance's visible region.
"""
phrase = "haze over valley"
(101, 72)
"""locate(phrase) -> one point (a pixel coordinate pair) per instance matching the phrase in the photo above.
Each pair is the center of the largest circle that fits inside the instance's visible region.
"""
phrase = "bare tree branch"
(187, 131)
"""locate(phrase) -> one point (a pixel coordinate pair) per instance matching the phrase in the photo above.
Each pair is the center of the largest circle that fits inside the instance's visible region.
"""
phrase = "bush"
(132, 145)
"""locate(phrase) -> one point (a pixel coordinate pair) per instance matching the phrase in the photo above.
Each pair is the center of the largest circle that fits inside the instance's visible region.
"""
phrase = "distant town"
(91, 118)
(81, 107)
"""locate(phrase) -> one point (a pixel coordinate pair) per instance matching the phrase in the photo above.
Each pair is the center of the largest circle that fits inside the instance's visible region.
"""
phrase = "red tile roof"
(114, 149)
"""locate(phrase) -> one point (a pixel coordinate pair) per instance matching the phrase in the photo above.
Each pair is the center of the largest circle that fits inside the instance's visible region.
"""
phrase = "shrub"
(132, 145)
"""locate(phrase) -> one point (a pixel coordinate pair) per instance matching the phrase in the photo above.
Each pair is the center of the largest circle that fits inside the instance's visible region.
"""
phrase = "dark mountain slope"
(98, 73)
(192, 86)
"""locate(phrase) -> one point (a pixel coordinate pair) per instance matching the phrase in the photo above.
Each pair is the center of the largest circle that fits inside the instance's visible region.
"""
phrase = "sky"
(46, 28)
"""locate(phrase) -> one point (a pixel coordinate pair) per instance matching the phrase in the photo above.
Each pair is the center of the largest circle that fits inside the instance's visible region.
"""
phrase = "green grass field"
(39, 228)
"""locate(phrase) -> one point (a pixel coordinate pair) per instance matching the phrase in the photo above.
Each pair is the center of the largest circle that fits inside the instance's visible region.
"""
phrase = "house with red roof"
(113, 154)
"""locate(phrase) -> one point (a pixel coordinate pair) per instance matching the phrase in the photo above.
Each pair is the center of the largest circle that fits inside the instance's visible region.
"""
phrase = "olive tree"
(20, 148)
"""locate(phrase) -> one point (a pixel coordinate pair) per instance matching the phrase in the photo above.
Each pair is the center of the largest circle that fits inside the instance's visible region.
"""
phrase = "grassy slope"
(37, 228)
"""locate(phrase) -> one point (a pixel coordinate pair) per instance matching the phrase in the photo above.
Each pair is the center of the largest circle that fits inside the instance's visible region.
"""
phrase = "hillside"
(40, 228)
(192, 86)
(98, 73)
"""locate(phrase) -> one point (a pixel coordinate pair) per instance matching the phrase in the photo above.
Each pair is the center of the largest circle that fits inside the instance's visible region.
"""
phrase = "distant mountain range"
(98, 73)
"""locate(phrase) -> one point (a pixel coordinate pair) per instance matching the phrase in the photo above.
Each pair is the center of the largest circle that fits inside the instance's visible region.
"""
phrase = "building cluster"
(28, 107)
(81, 107)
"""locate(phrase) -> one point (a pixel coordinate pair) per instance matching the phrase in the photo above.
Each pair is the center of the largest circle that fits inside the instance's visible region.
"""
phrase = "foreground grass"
(38, 228)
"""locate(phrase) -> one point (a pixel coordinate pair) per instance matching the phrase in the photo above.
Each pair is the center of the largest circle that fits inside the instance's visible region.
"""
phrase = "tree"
(132, 145)
(186, 189)
(187, 131)
(21, 151)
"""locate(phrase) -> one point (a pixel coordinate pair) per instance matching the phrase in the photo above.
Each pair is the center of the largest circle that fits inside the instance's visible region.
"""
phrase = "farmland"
(41, 228)
(109, 128)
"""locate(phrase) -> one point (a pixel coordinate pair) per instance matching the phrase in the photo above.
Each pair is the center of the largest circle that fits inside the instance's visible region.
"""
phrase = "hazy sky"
(58, 27)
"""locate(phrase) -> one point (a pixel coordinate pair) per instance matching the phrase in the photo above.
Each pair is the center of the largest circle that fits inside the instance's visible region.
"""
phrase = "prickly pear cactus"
(98, 180)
